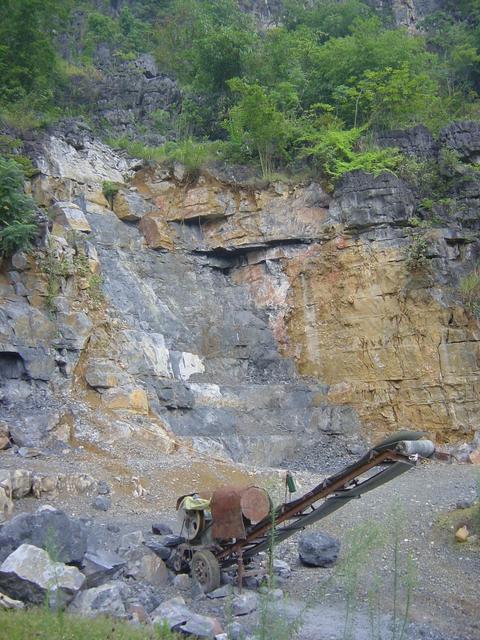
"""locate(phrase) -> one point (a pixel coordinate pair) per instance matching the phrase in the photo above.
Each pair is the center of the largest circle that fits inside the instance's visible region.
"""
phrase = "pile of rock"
(19, 483)
(48, 556)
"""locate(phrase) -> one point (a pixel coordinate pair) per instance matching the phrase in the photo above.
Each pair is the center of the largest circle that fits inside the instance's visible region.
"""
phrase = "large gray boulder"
(31, 430)
(107, 599)
(318, 549)
(30, 575)
(48, 529)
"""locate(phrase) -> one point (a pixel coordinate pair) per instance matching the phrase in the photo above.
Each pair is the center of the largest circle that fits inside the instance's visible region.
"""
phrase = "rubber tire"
(205, 570)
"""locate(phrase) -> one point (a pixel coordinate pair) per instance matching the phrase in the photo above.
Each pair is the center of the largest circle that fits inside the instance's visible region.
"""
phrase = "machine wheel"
(206, 570)
(192, 522)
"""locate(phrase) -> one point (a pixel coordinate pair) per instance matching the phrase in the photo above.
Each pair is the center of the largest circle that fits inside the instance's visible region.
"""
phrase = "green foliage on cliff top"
(335, 54)
(366, 75)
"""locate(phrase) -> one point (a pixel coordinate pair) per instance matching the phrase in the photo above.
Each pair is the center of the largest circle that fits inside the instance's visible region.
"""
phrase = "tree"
(28, 61)
(257, 125)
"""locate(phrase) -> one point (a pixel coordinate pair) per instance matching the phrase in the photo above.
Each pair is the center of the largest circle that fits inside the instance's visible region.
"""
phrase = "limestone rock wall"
(257, 324)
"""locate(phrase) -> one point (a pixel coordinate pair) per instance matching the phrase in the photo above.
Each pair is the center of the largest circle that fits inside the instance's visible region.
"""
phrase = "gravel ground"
(445, 600)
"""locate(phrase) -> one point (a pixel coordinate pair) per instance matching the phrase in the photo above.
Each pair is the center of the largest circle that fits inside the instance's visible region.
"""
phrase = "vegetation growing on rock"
(320, 77)
(17, 210)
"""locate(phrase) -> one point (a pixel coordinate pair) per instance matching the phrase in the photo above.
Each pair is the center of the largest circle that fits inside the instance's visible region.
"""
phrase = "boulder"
(4, 436)
(281, 568)
(173, 612)
(462, 534)
(317, 549)
(71, 216)
(201, 627)
(6, 504)
(47, 528)
(160, 550)
(222, 592)
(21, 483)
(107, 599)
(182, 582)
(103, 488)
(244, 603)
(102, 503)
(130, 206)
(100, 566)
(30, 575)
(131, 540)
(144, 565)
(30, 430)
(42, 483)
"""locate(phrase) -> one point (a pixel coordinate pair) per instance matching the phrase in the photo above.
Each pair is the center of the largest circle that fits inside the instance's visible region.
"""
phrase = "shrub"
(332, 150)
(110, 190)
(469, 288)
(192, 154)
(18, 224)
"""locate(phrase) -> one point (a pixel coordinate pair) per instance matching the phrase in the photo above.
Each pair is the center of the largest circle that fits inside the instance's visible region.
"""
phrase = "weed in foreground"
(43, 624)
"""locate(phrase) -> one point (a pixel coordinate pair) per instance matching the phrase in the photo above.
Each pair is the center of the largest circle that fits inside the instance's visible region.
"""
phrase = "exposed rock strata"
(203, 328)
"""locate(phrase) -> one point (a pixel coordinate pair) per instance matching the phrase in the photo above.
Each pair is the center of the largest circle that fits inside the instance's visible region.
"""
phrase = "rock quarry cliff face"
(257, 324)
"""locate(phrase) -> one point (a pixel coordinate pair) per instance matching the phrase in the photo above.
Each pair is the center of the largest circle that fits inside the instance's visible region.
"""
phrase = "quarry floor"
(445, 597)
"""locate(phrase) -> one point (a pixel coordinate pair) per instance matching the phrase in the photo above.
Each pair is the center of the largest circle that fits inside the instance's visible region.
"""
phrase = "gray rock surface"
(102, 503)
(173, 612)
(200, 627)
(464, 138)
(107, 600)
(30, 575)
(365, 201)
(417, 142)
(244, 603)
(101, 565)
(32, 430)
(48, 529)
(318, 549)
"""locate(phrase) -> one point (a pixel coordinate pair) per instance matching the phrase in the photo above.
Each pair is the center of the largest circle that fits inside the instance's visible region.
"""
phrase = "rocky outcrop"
(407, 13)
(464, 138)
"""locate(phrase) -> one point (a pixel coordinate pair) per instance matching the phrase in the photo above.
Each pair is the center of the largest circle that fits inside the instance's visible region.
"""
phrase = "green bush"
(18, 224)
(110, 190)
(469, 289)
(334, 152)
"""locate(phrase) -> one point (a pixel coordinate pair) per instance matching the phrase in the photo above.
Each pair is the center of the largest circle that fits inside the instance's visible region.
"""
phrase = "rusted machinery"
(233, 525)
